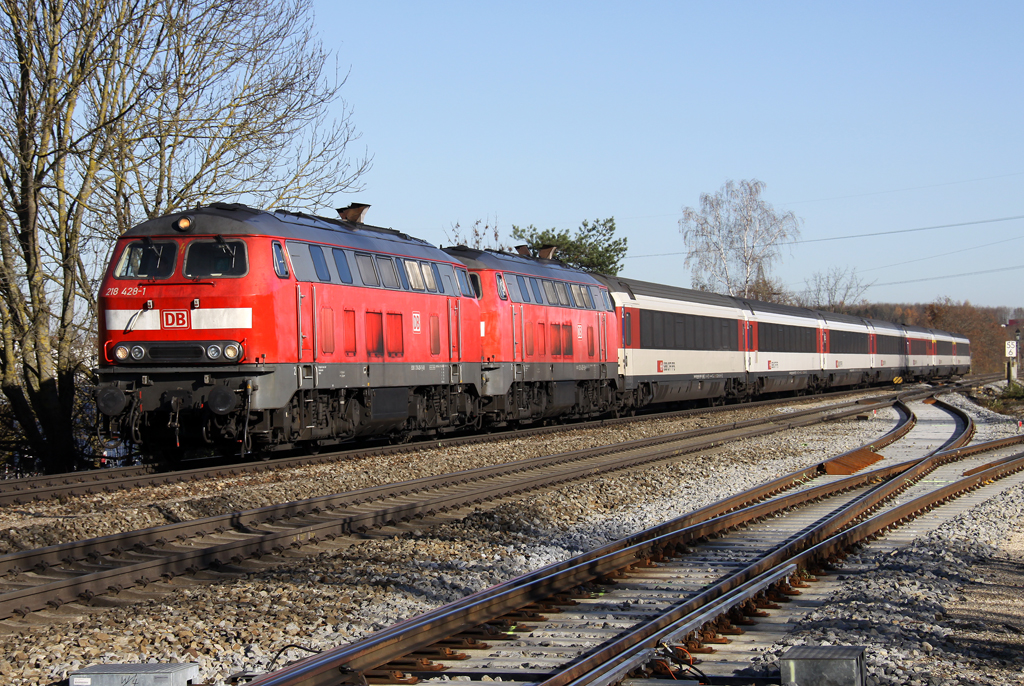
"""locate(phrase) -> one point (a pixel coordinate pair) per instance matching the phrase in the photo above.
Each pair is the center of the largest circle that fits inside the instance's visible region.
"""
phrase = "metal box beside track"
(181, 674)
(823, 666)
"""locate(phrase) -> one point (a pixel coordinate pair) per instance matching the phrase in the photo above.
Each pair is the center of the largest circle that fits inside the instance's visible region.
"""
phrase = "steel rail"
(29, 489)
(255, 543)
(633, 650)
(422, 631)
(597, 661)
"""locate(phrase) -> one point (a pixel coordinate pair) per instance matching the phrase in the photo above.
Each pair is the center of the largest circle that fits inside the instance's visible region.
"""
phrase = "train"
(233, 328)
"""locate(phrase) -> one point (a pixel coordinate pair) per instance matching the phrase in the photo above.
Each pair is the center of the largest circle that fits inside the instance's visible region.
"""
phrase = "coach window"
(366, 271)
(464, 283)
(341, 262)
(428, 277)
(535, 285)
(280, 264)
(412, 270)
(386, 267)
(319, 263)
(219, 258)
(502, 291)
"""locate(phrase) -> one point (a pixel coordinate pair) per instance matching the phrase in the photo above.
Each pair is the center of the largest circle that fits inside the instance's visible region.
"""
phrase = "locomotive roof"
(237, 219)
(520, 264)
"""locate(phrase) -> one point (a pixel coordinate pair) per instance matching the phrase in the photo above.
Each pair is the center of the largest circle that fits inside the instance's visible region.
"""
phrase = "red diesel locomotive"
(228, 325)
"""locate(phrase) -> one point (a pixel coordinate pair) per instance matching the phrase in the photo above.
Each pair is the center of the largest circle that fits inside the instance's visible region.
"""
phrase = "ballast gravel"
(237, 623)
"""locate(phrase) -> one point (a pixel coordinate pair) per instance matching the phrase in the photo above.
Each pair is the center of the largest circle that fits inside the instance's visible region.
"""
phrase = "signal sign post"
(1011, 361)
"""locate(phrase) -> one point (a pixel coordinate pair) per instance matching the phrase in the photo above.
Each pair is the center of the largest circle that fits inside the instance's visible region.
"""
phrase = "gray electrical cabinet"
(823, 666)
(180, 674)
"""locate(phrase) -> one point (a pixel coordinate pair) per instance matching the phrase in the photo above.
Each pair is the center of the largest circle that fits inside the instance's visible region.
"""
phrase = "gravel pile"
(234, 623)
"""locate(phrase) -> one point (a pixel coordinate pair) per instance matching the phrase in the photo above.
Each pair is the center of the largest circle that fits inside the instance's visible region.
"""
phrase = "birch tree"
(835, 290)
(112, 111)
(734, 238)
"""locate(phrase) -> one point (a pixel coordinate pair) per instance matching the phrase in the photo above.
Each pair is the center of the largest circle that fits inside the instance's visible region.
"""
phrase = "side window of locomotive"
(447, 280)
(464, 283)
(523, 290)
(280, 264)
(412, 271)
(535, 285)
(319, 263)
(474, 279)
(502, 291)
(549, 291)
(386, 267)
(366, 271)
(400, 263)
(437, 277)
(147, 260)
(341, 262)
(579, 296)
(513, 289)
(563, 295)
(428, 277)
(218, 258)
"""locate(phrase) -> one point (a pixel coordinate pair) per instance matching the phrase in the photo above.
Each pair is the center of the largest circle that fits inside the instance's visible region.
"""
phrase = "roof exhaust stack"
(353, 213)
(523, 250)
(547, 252)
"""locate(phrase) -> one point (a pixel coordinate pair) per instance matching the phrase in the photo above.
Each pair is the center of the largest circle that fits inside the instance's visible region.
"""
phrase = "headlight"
(121, 352)
(138, 352)
(232, 351)
(213, 352)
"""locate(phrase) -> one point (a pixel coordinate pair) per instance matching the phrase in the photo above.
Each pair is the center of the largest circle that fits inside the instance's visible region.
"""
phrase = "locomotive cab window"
(474, 279)
(502, 291)
(280, 264)
(147, 259)
(217, 258)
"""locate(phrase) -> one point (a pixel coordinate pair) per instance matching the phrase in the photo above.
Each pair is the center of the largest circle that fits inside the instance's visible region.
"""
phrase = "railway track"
(38, 488)
(50, 577)
(643, 605)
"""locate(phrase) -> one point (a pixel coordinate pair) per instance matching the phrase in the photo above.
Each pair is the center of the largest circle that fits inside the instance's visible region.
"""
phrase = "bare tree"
(240, 107)
(836, 290)
(735, 237)
(481, 235)
(112, 111)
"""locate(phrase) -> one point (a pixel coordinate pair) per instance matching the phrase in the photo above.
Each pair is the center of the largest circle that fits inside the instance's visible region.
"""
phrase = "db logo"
(174, 319)
(661, 366)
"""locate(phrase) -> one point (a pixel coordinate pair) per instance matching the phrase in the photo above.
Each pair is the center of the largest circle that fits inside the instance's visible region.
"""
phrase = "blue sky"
(860, 118)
